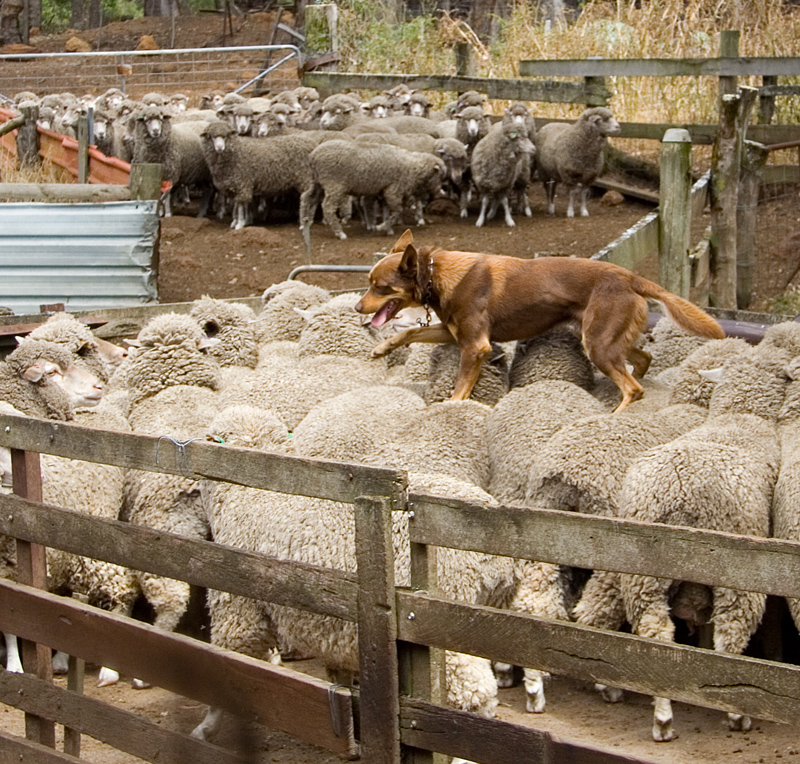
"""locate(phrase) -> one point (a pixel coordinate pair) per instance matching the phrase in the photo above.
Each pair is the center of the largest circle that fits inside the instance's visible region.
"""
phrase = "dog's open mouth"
(386, 313)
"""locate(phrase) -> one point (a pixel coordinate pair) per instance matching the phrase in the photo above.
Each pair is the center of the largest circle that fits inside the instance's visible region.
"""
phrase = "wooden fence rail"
(388, 617)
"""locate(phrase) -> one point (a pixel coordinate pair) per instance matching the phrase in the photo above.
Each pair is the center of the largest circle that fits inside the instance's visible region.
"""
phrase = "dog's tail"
(685, 314)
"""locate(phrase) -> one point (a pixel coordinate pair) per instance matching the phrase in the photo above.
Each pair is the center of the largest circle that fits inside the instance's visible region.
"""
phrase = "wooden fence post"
(83, 148)
(465, 59)
(145, 181)
(32, 570)
(725, 167)
(728, 48)
(675, 212)
(754, 159)
(379, 703)
(28, 138)
(422, 670)
(766, 103)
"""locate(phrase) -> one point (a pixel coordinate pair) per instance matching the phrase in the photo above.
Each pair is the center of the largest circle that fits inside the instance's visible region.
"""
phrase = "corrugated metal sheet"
(87, 256)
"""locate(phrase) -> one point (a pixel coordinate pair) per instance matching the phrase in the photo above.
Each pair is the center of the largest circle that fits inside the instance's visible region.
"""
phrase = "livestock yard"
(199, 256)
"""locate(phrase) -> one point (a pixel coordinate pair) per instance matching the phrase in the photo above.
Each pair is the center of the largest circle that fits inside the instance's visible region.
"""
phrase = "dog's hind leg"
(640, 360)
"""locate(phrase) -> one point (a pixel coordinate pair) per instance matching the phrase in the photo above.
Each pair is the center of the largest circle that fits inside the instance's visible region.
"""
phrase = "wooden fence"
(400, 630)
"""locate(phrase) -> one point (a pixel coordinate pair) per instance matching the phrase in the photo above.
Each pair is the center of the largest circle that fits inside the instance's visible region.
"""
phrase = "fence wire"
(193, 71)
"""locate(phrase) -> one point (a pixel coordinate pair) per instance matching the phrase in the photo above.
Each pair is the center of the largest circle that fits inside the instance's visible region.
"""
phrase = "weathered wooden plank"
(634, 244)
(121, 729)
(32, 570)
(377, 633)
(781, 174)
(661, 67)
(510, 90)
(491, 741)
(202, 563)
(548, 535)
(277, 696)
(770, 91)
(64, 192)
(702, 677)
(17, 749)
(197, 459)
(646, 195)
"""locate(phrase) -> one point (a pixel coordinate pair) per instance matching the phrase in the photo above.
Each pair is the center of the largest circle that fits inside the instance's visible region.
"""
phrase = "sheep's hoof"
(662, 720)
(609, 694)
(739, 723)
(584, 213)
(140, 684)
(60, 663)
(504, 673)
(534, 691)
(464, 214)
(107, 677)
(342, 235)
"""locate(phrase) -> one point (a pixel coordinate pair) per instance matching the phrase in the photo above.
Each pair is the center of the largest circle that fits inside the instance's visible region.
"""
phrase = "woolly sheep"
(338, 111)
(573, 155)
(519, 425)
(718, 476)
(172, 384)
(446, 438)
(248, 167)
(322, 533)
(444, 362)
(498, 159)
(472, 124)
(280, 318)
(177, 148)
(342, 169)
(233, 324)
(558, 354)
(690, 387)
(668, 345)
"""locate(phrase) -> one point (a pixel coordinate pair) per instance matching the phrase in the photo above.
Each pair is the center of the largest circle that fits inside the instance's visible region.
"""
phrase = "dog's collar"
(425, 285)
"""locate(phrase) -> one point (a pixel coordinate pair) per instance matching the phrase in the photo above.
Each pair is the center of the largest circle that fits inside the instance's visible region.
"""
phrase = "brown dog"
(484, 298)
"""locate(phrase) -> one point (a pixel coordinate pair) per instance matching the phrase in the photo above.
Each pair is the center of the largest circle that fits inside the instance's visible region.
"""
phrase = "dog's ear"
(408, 262)
(401, 244)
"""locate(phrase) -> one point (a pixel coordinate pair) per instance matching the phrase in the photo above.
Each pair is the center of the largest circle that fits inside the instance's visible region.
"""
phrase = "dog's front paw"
(379, 351)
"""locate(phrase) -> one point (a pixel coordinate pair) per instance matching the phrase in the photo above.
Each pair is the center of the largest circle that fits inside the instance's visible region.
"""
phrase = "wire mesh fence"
(193, 71)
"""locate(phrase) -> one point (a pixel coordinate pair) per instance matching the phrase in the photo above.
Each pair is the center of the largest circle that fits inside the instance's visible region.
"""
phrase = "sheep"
(172, 387)
(342, 169)
(377, 108)
(39, 378)
(718, 476)
(421, 142)
(338, 111)
(557, 354)
(573, 155)
(472, 125)
(177, 148)
(246, 167)
(519, 425)
(418, 106)
(520, 114)
(668, 345)
(446, 438)
(306, 96)
(690, 387)
(322, 533)
(497, 160)
(279, 319)
(243, 117)
(233, 324)
(444, 361)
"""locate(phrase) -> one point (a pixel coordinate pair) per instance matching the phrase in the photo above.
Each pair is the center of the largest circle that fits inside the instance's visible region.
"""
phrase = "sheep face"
(241, 123)
(82, 388)
(154, 126)
(603, 121)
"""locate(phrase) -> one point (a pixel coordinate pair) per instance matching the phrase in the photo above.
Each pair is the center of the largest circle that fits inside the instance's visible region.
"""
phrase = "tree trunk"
(79, 14)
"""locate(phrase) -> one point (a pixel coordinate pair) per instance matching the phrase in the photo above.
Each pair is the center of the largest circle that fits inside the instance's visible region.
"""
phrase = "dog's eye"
(382, 289)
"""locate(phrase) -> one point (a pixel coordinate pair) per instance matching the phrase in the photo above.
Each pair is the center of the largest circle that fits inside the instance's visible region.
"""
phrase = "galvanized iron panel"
(84, 255)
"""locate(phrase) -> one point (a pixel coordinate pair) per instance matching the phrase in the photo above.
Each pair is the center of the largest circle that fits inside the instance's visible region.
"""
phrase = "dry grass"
(606, 28)
(47, 172)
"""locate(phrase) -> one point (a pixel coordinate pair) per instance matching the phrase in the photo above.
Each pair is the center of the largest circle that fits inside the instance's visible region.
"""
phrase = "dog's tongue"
(383, 315)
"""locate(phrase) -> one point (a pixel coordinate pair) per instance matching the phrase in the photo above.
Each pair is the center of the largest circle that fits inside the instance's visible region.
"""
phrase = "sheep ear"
(18, 339)
(37, 370)
(133, 343)
(308, 315)
(404, 241)
(712, 375)
(208, 342)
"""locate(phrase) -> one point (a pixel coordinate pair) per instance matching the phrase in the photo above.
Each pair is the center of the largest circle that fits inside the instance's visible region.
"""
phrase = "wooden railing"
(400, 630)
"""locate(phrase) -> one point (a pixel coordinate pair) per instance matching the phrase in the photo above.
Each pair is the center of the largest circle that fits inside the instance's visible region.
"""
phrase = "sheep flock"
(382, 160)
(711, 445)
